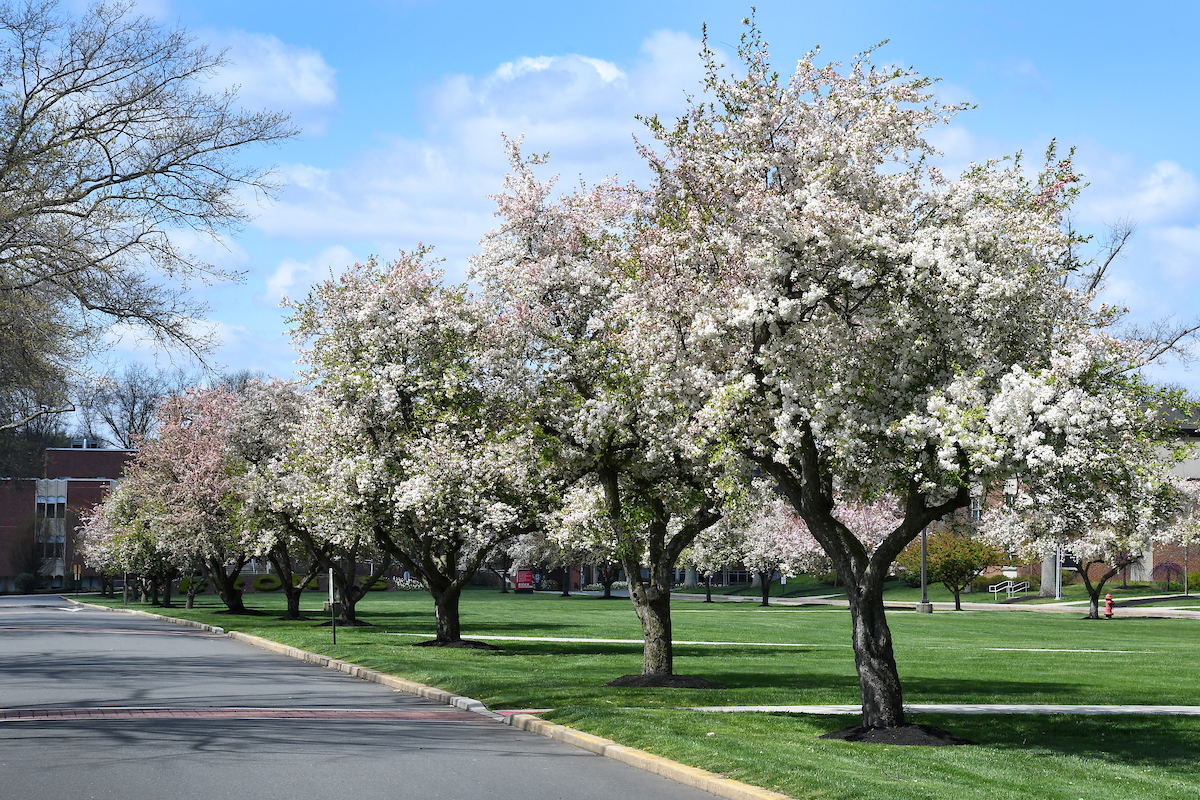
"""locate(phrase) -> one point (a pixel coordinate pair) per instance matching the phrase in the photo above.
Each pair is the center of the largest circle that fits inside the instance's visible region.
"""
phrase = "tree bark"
(707, 588)
(226, 583)
(878, 679)
(445, 613)
(1094, 589)
(658, 655)
(957, 602)
(764, 581)
(193, 587)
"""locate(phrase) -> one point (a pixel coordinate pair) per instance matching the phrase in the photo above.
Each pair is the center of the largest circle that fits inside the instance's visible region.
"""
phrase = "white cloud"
(434, 188)
(291, 274)
(279, 76)
(1121, 189)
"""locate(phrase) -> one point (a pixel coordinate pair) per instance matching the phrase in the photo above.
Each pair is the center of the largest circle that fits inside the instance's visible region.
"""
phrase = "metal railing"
(1010, 588)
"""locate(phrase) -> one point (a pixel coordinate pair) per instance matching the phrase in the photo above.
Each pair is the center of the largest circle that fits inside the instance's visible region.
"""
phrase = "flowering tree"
(876, 327)
(765, 534)
(115, 536)
(595, 347)
(410, 439)
(261, 429)
(183, 489)
(1105, 505)
(1184, 528)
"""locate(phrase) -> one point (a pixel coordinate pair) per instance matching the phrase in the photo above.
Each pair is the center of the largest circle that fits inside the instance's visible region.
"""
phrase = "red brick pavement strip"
(48, 714)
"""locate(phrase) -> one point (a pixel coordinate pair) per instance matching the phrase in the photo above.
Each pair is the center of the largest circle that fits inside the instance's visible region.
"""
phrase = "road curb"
(672, 770)
(187, 623)
(648, 762)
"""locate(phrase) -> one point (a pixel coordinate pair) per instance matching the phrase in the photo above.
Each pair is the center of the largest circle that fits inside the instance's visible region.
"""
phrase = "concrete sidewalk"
(971, 708)
(1067, 607)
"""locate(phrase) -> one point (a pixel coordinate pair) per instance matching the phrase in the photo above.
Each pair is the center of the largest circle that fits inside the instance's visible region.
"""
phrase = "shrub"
(980, 585)
(1193, 580)
(549, 584)
(830, 578)
(26, 583)
(186, 582)
(408, 585)
(911, 579)
(239, 582)
(267, 583)
(379, 586)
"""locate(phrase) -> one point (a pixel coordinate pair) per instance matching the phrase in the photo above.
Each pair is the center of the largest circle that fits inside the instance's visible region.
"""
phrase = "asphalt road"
(101, 705)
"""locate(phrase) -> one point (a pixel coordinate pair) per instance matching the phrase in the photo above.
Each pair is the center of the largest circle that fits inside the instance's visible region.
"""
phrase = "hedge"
(267, 583)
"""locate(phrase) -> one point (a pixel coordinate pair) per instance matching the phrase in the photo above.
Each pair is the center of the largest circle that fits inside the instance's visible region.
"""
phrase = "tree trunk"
(226, 584)
(445, 613)
(764, 581)
(708, 588)
(566, 587)
(957, 602)
(882, 699)
(658, 657)
(166, 600)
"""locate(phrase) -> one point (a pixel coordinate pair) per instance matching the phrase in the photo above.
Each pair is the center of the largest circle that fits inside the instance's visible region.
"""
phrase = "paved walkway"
(1066, 607)
(113, 706)
(971, 708)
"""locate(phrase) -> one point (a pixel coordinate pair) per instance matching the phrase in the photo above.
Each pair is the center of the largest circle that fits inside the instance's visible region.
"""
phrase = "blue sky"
(402, 104)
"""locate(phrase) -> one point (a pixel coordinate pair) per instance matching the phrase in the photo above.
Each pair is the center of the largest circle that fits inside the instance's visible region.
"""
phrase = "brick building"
(43, 512)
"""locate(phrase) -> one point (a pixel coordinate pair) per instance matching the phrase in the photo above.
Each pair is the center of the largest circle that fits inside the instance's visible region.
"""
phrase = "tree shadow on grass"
(1166, 742)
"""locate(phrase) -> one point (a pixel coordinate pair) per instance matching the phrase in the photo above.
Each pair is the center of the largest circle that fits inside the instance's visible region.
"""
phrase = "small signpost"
(78, 579)
(335, 608)
(524, 581)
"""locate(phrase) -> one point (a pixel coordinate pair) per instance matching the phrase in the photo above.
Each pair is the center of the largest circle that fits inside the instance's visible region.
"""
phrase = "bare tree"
(109, 144)
(123, 405)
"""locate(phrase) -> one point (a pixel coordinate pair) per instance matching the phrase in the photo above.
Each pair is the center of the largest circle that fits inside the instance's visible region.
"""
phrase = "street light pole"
(1058, 561)
(924, 607)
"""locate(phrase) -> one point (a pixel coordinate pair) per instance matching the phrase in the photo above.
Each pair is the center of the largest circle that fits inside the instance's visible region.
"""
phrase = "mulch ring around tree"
(461, 644)
(667, 681)
(920, 735)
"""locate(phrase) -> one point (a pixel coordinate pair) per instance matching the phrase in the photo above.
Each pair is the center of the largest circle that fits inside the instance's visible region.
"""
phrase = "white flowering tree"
(410, 439)
(596, 350)
(1184, 528)
(876, 328)
(115, 536)
(261, 428)
(1106, 503)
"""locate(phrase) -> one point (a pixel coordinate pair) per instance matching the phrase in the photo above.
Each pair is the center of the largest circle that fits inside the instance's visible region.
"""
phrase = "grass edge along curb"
(648, 762)
(673, 770)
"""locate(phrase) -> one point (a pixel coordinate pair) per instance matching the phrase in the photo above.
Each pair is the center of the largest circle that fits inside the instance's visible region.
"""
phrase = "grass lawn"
(943, 657)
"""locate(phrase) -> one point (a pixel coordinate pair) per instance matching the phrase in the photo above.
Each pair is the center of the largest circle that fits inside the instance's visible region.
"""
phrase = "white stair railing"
(1010, 589)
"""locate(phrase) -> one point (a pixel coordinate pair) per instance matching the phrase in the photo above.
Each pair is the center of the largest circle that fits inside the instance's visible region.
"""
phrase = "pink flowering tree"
(411, 438)
(875, 327)
(189, 477)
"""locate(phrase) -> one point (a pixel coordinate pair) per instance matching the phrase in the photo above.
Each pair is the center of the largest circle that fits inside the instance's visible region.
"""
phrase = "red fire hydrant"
(1108, 605)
